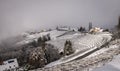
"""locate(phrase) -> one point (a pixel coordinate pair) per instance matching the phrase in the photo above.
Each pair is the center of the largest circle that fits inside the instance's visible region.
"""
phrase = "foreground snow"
(114, 65)
(101, 51)
(91, 62)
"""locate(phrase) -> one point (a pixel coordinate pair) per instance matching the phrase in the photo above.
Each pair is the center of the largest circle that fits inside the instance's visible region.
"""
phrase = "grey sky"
(17, 16)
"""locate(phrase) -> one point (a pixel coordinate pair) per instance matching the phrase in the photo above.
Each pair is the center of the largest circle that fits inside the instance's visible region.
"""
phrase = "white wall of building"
(9, 64)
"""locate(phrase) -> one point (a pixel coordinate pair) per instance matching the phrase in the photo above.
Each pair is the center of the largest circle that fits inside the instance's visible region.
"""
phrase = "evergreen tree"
(39, 41)
(68, 48)
(80, 29)
(90, 25)
(48, 37)
(118, 23)
(34, 43)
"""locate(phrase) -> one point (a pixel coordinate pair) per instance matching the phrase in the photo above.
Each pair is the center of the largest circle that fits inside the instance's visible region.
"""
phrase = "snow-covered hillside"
(82, 41)
(31, 37)
(82, 44)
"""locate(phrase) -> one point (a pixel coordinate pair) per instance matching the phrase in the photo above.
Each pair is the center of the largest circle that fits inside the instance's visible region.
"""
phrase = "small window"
(11, 61)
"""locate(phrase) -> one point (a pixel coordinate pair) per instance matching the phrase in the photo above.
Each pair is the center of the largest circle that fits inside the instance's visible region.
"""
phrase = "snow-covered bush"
(37, 58)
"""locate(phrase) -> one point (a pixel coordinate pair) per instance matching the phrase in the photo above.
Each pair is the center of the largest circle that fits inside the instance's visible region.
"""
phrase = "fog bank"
(17, 16)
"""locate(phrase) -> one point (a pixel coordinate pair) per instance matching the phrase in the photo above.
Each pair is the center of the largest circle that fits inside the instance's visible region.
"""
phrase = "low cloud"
(17, 16)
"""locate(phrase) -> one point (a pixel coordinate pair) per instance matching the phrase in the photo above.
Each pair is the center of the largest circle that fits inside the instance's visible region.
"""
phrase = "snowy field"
(31, 37)
(81, 41)
(86, 43)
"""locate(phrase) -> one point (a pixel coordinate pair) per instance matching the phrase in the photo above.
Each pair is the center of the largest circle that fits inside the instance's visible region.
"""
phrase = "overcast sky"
(17, 16)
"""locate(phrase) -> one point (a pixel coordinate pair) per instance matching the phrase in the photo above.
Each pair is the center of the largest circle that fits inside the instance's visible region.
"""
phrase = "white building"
(9, 64)
(96, 29)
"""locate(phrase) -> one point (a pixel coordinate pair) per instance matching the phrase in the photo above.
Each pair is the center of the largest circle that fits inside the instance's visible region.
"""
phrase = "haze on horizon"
(17, 16)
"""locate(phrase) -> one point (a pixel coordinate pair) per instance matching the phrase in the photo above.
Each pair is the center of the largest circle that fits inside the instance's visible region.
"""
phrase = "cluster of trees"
(24, 52)
(116, 35)
(37, 53)
(46, 53)
(9, 50)
(40, 56)
(43, 39)
(43, 54)
(40, 41)
(81, 29)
